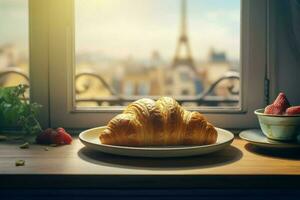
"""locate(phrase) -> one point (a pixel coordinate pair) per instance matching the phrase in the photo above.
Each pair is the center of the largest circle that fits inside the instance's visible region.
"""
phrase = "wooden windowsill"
(240, 166)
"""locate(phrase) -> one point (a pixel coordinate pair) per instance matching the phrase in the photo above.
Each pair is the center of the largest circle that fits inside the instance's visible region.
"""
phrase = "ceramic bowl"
(279, 127)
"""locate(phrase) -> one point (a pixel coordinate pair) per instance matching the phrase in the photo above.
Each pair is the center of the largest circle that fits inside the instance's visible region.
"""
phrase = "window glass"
(128, 49)
(14, 44)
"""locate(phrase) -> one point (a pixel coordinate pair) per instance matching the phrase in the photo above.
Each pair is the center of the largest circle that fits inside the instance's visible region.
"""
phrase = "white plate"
(90, 138)
(255, 136)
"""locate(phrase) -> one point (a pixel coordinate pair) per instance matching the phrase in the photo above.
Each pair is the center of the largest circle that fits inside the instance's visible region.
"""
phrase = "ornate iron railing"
(205, 98)
(14, 71)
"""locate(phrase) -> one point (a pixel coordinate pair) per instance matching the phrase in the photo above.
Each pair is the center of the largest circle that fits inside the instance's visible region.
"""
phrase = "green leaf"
(14, 110)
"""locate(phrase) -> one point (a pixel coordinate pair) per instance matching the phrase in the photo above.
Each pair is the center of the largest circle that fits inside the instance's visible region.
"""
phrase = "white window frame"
(52, 59)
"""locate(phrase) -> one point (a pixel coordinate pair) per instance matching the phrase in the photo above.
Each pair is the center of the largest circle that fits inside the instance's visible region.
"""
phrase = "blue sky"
(120, 28)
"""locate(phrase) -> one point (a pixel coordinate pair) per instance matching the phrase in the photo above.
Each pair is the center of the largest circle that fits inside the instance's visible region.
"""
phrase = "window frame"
(39, 57)
(58, 68)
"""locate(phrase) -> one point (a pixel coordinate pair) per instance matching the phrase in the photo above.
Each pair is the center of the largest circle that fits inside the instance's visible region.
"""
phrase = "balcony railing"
(206, 98)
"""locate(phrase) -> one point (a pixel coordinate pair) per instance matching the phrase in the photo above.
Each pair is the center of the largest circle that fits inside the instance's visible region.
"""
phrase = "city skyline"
(138, 27)
(109, 31)
(142, 30)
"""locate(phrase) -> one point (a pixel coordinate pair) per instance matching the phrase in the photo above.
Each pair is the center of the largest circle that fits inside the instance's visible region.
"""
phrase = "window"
(77, 62)
(150, 48)
(14, 44)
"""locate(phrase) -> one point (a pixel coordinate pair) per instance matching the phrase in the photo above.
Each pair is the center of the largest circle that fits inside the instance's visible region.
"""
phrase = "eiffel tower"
(183, 43)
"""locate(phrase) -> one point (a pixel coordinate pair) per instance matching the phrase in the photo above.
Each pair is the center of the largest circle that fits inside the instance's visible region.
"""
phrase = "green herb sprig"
(16, 110)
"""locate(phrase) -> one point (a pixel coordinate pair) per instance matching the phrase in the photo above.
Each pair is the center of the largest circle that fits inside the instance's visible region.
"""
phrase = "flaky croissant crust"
(158, 123)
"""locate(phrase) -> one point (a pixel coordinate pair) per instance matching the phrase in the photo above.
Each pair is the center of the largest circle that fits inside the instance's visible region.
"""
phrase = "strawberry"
(66, 137)
(273, 110)
(282, 102)
(51, 136)
(294, 110)
(279, 106)
(57, 138)
(45, 136)
(60, 129)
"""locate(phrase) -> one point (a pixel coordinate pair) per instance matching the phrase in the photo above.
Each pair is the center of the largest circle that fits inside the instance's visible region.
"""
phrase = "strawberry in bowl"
(294, 110)
(280, 120)
(279, 106)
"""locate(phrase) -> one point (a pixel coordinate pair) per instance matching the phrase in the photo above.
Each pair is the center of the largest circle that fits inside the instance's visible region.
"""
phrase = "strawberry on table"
(52, 136)
(60, 129)
(45, 136)
(57, 138)
(66, 137)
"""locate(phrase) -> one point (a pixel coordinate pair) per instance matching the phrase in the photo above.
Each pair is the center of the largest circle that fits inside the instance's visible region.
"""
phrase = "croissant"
(164, 122)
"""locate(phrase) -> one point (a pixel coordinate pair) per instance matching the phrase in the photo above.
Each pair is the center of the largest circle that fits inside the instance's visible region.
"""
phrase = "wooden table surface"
(240, 165)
